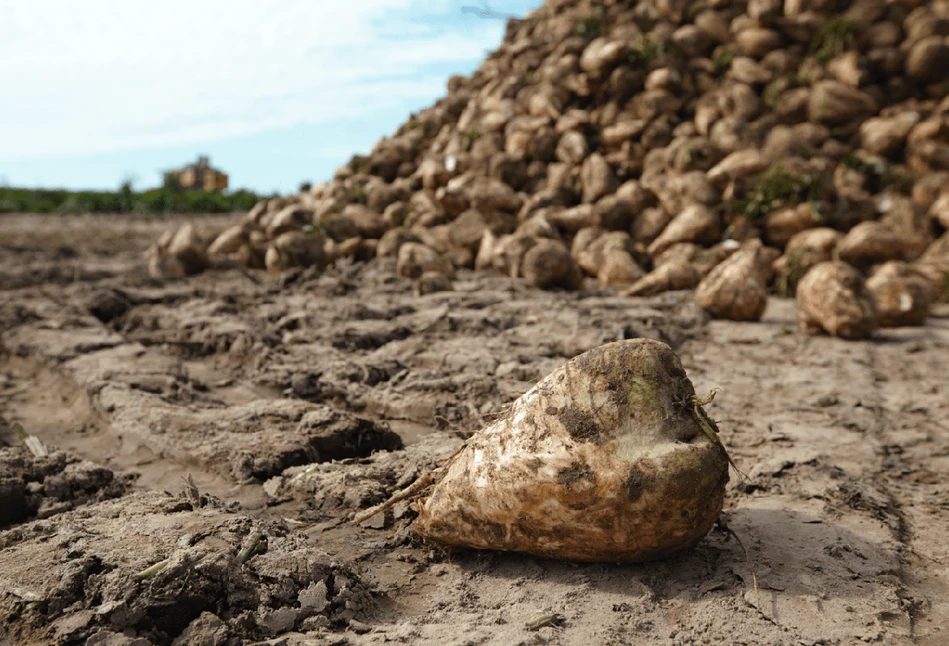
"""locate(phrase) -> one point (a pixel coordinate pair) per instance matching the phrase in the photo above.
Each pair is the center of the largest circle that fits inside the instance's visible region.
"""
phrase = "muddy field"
(209, 438)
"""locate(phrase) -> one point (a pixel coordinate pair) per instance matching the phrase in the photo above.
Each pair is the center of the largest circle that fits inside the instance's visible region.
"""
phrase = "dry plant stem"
(33, 443)
(413, 489)
(191, 490)
(754, 575)
(709, 431)
(544, 621)
(152, 570)
(255, 544)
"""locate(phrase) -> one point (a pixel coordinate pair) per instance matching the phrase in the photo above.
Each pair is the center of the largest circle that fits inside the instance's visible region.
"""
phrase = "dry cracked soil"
(208, 440)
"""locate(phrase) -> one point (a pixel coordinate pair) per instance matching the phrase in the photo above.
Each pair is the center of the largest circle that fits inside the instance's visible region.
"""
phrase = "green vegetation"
(414, 123)
(359, 164)
(880, 174)
(648, 49)
(694, 10)
(785, 285)
(773, 189)
(645, 49)
(358, 196)
(835, 36)
(590, 27)
(723, 56)
(168, 199)
(773, 90)
(468, 138)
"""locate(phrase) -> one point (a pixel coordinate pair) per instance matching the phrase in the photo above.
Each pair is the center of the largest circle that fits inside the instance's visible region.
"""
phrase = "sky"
(275, 92)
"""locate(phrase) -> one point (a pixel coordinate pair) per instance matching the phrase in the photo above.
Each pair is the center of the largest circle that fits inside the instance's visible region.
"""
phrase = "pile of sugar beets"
(796, 146)
(735, 148)
(800, 146)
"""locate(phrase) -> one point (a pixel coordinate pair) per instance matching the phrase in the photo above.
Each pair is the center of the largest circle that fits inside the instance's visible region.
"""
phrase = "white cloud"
(109, 75)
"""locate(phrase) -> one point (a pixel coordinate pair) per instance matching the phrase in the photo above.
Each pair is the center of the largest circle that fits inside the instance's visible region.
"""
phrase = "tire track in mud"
(911, 377)
(832, 421)
(825, 569)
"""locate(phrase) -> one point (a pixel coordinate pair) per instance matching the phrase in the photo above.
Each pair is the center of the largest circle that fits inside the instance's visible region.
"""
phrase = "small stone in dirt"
(314, 598)
(306, 385)
(828, 400)
(109, 638)
(108, 305)
(272, 486)
(359, 627)
(431, 282)
(379, 521)
(208, 628)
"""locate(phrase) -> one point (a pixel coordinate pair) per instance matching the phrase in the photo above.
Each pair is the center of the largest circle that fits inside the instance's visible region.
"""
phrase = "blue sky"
(276, 92)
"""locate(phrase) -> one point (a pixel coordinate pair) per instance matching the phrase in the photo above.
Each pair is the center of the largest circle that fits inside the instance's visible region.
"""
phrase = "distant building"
(200, 176)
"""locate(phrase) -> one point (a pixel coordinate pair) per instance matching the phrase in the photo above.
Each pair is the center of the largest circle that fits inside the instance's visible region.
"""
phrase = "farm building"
(201, 176)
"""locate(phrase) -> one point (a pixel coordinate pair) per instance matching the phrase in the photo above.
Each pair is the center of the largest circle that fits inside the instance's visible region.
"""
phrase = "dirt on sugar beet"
(286, 402)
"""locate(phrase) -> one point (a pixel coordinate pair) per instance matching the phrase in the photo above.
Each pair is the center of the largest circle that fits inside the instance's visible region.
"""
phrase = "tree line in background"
(170, 198)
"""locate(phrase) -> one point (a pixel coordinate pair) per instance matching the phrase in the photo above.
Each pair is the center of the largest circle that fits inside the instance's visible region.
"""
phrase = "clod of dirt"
(336, 486)
(903, 294)
(735, 289)
(44, 486)
(337, 436)
(321, 434)
(170, 573)
(109, 304)
(833, 298)
(609, 458)
(431, 282)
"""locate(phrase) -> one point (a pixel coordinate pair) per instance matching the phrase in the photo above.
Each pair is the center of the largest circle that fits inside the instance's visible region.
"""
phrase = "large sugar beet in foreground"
(603, 460)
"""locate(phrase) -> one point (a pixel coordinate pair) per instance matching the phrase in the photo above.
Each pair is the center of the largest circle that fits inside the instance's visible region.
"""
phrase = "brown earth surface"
(209, 439)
